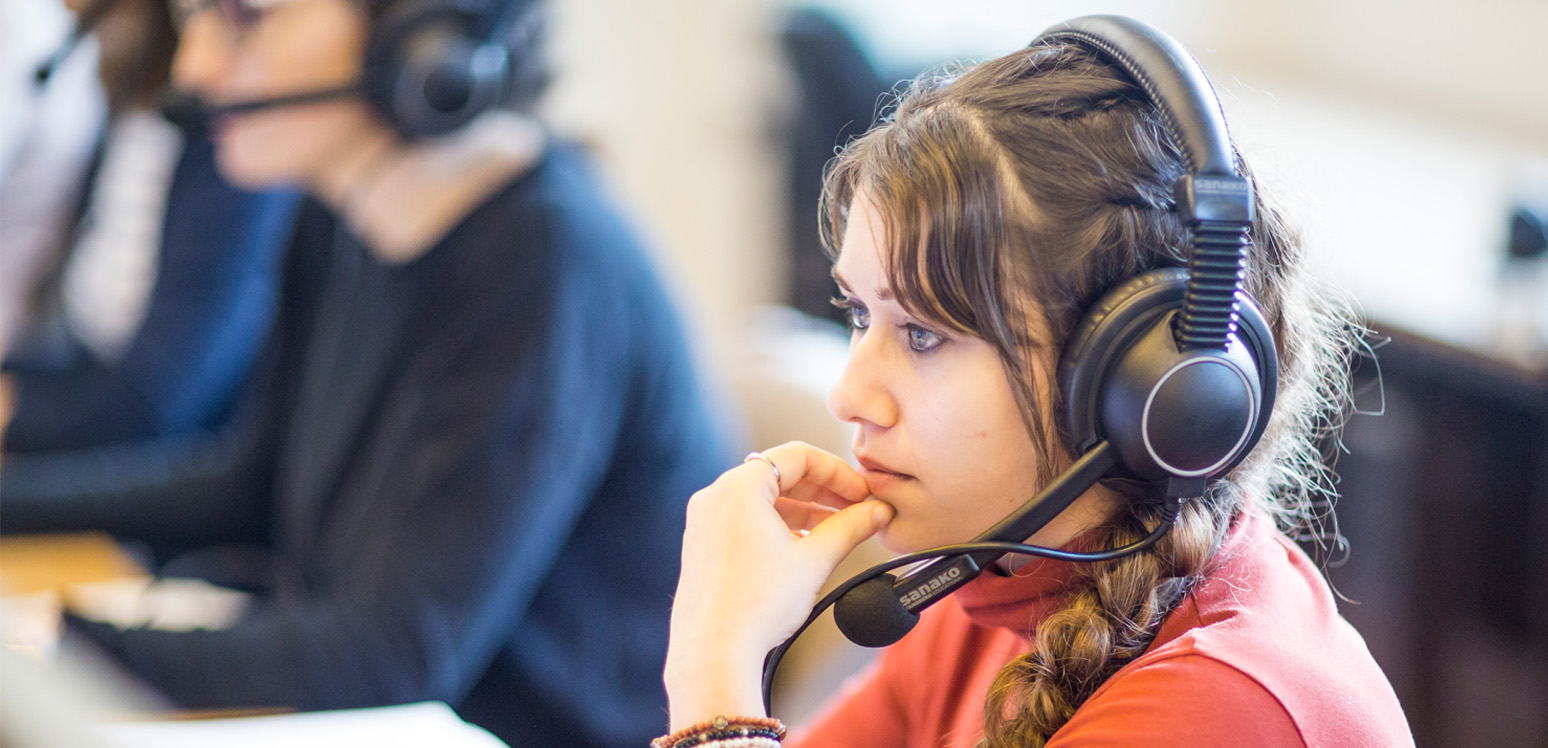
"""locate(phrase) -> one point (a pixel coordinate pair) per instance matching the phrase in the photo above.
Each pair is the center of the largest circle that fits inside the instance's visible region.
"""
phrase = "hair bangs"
(943, 201)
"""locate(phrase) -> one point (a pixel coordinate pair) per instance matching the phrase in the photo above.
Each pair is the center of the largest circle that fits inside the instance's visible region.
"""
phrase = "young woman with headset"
(1061, 285)
(477, 422)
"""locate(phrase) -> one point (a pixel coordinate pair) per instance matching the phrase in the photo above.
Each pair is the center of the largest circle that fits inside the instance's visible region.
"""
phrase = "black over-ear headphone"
(1169, 378)
(431, 66)
(1175, 369)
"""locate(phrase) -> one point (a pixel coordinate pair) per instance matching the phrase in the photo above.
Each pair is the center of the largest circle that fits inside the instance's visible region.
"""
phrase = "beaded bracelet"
(730, 733)
(743, 743)
(757, 726)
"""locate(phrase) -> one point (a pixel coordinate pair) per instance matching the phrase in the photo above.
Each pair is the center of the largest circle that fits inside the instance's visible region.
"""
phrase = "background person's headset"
(429, 67)
(1168, 379)
(432, 66)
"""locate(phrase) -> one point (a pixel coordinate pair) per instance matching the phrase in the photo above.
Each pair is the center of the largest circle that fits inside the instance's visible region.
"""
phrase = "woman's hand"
(755, 557)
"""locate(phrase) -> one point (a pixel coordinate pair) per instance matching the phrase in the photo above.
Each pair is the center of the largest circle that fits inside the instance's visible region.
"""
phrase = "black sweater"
(474, 468)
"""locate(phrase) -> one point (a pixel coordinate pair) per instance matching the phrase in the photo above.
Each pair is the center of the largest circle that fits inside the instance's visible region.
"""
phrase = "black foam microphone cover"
(185, 110)
(871, 614)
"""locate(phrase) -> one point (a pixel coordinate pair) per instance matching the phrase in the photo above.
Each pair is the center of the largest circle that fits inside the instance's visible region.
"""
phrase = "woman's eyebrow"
(839, 279)
(883, 293)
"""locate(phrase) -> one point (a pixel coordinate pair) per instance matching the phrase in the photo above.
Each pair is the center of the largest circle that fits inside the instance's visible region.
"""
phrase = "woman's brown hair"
(1014, 194)
(136, 44)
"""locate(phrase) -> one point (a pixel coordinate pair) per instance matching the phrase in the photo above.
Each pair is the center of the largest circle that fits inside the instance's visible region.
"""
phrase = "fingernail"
(882, 512)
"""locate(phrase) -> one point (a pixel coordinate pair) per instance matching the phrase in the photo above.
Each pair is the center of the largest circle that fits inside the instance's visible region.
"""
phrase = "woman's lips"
(878, 475)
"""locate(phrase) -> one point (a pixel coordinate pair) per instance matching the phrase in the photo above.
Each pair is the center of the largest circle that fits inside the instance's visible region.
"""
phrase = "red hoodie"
(1257, 655)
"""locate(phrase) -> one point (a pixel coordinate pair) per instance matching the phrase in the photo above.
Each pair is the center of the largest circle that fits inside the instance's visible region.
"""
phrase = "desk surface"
(31, 564)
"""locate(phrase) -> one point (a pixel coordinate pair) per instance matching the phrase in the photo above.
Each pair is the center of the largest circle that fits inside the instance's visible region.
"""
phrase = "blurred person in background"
(145, 281)
(480, 417)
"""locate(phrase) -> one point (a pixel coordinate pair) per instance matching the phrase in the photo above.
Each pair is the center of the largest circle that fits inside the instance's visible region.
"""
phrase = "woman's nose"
(863, 394)
(203, 53)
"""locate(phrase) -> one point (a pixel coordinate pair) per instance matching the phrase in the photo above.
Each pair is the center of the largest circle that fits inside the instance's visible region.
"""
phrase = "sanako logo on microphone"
(924, 590)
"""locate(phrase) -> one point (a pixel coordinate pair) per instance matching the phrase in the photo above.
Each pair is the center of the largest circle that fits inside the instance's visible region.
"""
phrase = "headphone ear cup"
(1252, 330)
(1169, 413)
(426, 71)
(1113, 322)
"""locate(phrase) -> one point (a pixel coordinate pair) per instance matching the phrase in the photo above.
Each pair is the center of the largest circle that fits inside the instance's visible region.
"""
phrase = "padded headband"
(1171, 77)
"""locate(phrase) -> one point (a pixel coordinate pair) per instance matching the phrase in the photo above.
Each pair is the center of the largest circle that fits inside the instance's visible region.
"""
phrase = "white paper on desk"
(431, 723)
(168, 604)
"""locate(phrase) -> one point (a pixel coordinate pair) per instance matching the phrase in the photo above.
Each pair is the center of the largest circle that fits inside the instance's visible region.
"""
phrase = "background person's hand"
(7, 400)
(755, 557)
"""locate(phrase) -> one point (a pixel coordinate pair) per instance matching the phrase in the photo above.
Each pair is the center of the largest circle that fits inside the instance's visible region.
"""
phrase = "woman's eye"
(859, 317)
(922, 340)
(855, 315)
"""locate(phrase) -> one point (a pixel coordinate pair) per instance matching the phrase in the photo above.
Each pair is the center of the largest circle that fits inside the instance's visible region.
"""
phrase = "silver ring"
(759, 456)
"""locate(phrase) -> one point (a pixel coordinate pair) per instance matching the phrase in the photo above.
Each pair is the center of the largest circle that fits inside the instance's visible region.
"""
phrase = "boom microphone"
(881, 610)
(189, 110)
(90, 16)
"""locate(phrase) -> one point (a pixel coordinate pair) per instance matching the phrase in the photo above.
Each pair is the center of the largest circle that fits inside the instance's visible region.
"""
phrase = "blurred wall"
(1479, 66)
(679, 100)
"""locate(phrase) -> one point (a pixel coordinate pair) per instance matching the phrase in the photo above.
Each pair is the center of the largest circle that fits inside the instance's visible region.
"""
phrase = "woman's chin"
(250, 171)
(898, 537)
(255, 152)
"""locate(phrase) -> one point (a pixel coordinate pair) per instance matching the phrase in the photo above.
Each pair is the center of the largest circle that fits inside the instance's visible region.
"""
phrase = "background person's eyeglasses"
(239, 15)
